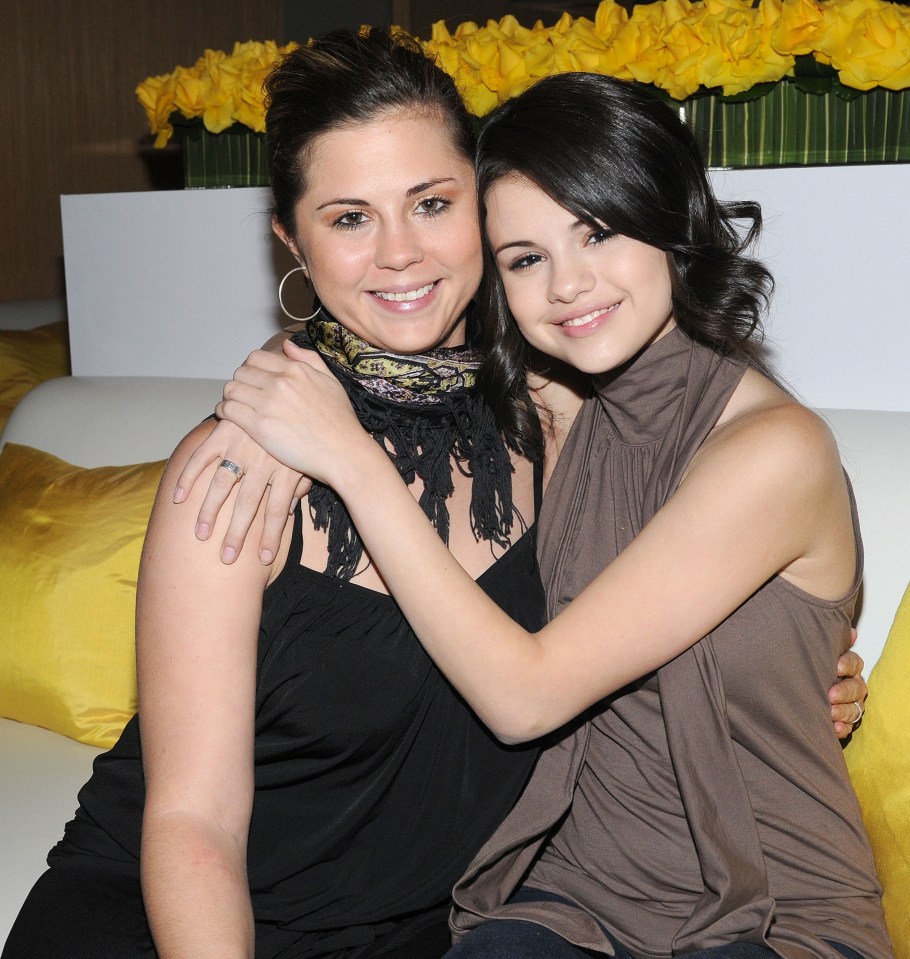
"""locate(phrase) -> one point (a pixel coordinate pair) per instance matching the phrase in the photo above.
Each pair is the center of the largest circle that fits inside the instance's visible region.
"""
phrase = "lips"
(409, 296)
(589, 317)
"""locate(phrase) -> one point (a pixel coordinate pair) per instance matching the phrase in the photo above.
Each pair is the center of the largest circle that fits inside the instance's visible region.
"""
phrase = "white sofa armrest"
(111, 420)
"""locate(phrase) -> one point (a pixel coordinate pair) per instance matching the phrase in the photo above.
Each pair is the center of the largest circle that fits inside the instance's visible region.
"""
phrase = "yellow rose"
(578, 49)
(527, 54)
(639, 46)
(465, 29)
(443, 49)
(478, 98)
(735, 49)
(480, 51)
(156, 95)
(686, 39)
(493, 57)
(867, 42)
(609, 19)
(191, 90)
(447, 49)
(218, 112)
(258, 60)
(773, 63)
(249, 104)
(797, 26)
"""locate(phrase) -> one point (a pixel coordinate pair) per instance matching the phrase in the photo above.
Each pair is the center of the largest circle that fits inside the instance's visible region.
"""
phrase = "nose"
(398, 246)
(569, 278)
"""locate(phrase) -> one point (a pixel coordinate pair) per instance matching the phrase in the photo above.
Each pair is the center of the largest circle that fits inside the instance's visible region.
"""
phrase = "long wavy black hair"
(614, 155)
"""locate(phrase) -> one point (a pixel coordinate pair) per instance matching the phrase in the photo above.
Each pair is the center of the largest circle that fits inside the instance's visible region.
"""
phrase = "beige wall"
(69, 119)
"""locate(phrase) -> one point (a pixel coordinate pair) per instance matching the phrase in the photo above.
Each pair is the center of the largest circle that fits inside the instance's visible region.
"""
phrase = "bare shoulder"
(175, 465)
(770, 430)
(773, 459)
(188, 445)
(273, 343)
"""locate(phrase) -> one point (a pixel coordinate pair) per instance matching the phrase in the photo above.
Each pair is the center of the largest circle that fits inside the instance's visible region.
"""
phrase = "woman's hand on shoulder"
(298, 411)
(263, 481)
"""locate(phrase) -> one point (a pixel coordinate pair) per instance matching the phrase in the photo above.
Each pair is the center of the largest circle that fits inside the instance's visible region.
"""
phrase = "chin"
(422, 340)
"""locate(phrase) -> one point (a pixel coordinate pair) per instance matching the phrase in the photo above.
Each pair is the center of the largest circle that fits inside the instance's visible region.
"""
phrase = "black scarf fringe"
(423, 441)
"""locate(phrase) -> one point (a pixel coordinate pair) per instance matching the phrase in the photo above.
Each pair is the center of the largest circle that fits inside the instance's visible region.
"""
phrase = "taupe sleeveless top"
(708, 802)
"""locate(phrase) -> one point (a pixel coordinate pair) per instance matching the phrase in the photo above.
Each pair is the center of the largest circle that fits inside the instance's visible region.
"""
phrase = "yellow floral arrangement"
(745, 72)
(683, 47)
(221, 88)
(678, 46)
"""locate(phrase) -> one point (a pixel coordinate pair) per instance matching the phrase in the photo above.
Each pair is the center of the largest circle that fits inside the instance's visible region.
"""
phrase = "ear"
(286, 239)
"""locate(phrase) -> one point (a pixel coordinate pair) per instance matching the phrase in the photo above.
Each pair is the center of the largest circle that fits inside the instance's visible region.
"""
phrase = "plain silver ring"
(860, 716)
(238, 472)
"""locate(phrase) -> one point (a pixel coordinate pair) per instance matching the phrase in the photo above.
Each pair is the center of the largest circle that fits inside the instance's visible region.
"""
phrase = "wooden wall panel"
(419, 15)
(70, 120)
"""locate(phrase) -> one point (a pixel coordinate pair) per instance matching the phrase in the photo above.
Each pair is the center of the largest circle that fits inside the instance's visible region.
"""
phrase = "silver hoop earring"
(299, 319)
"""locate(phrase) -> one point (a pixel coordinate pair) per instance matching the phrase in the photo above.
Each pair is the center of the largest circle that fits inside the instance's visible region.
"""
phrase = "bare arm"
(760, 501)
(197, 628)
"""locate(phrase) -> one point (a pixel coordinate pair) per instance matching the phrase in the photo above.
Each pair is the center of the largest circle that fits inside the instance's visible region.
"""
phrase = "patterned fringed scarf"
(427, 408)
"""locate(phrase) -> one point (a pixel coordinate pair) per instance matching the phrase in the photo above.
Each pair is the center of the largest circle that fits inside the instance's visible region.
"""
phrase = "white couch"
(95, 421)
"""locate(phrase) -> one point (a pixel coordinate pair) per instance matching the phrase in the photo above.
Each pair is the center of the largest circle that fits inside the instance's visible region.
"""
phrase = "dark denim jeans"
(518, 939)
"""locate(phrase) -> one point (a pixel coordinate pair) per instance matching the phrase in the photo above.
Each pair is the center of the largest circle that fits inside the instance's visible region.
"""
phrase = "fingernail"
(294, 503)
(228, 554)
(266, 556)
(179, 494)
(202, 531)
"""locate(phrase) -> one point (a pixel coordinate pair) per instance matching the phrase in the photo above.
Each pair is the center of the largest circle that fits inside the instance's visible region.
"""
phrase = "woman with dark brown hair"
(301, 780)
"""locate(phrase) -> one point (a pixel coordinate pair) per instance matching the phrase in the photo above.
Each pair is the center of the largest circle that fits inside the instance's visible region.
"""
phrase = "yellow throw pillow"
(27, 358)
(879, 761)
(70, 540)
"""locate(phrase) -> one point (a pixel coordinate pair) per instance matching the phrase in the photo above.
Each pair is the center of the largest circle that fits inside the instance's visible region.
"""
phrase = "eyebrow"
(429, 184)
(523, 244)
(526, 244)
(413, 191)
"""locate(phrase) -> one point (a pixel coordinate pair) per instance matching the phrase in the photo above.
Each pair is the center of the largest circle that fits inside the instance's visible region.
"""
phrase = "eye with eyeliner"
(524, 262)
(440, 205)
(343, 221)
(602, 234)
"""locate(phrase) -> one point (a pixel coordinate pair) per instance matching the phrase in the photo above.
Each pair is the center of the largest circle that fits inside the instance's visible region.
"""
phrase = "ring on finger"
(859, 713)
(238, 472)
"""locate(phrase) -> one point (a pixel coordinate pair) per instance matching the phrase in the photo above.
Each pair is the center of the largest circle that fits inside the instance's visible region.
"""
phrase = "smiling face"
(388, 230)
(590, 297)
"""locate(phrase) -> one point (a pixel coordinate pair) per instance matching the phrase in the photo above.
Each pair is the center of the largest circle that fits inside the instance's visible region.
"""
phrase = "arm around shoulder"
(764, 496)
